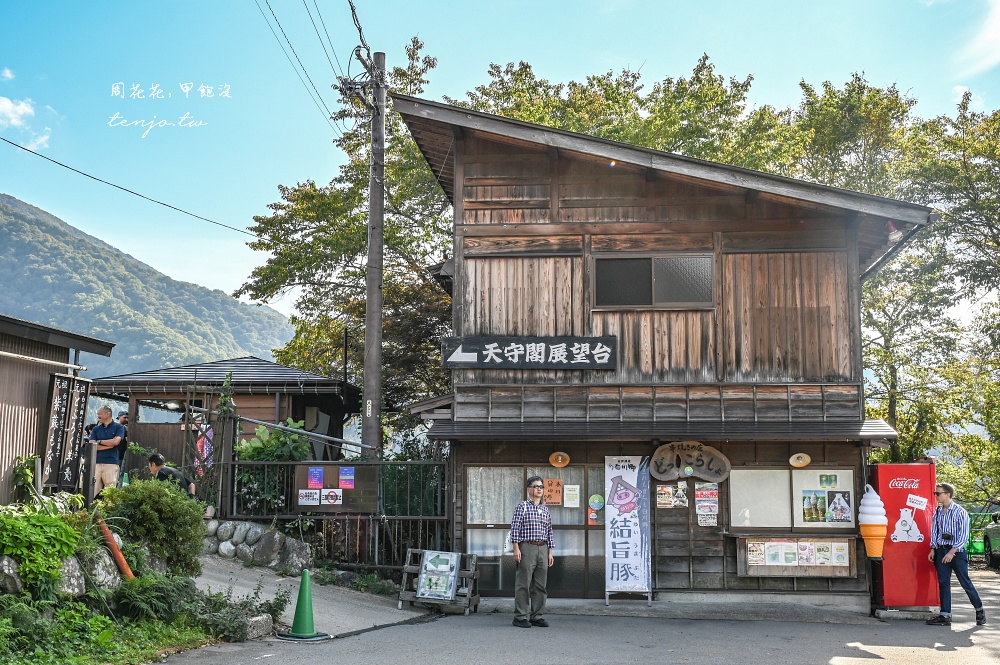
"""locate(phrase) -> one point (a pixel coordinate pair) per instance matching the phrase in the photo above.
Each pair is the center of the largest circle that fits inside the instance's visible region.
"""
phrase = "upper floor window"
(675, 280)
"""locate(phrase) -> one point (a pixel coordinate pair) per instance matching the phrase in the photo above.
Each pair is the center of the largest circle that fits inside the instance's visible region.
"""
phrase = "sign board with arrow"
(438, 575)
(530, 352)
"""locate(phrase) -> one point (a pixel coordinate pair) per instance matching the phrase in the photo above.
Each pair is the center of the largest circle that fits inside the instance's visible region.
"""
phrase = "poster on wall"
(672, 496)
(626, 524)
(823, 497)
(571, 496)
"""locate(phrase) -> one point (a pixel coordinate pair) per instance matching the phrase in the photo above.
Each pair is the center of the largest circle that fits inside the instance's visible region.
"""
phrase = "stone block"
(209, 546)
(227, 549)
(254, 533)
(71, 580)
(211, 527)
(240, 533)
(10, 581)
(259, 626)
(225, 530)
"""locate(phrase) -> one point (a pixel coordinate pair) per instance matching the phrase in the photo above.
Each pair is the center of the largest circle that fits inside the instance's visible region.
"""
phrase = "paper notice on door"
(571, 496)
(918, 502)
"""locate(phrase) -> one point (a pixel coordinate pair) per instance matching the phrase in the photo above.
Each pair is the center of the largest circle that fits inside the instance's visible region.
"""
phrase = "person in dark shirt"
(106, 436)
(158, 469)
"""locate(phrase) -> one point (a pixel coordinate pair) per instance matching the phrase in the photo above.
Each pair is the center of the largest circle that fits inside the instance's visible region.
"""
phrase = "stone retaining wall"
(256, 544)
(249, 542)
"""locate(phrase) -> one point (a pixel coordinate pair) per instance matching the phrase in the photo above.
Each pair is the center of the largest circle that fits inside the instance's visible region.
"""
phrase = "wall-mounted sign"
(530, 352)
(553, 492)
(682, 459)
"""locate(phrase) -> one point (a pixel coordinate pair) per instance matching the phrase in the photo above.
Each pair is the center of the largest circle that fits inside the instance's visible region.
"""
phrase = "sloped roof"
(436, 127)
(250, 375)
(54, 336)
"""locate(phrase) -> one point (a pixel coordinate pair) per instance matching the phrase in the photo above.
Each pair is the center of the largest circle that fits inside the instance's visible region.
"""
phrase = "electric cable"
(134, 193)
(299, 60)
(326, 116)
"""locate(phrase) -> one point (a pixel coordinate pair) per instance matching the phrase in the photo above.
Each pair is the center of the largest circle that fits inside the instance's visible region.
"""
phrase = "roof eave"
(662, 161)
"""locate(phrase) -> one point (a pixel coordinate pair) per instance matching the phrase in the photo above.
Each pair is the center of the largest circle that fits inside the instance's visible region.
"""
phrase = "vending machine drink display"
(905, 578)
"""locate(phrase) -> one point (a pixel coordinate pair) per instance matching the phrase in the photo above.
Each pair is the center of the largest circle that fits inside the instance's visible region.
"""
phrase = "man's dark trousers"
(529, 584)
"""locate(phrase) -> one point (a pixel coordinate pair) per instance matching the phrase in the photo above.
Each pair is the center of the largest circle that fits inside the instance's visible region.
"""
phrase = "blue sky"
(60, 61)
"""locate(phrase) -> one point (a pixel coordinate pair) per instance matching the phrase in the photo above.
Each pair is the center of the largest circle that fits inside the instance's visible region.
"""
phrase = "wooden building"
(31, 356)
(729, 303)
(262, 390)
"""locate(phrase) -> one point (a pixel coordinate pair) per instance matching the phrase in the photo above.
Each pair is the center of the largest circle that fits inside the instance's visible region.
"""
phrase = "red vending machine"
(905, 578)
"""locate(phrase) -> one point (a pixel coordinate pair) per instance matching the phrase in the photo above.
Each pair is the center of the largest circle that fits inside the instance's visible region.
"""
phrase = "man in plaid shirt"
(531, 536)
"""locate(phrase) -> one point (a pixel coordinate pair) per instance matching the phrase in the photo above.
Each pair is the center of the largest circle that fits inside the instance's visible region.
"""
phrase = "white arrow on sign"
(459, 357)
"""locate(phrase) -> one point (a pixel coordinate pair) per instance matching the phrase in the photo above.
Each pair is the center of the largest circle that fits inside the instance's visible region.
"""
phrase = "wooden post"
(371, 409)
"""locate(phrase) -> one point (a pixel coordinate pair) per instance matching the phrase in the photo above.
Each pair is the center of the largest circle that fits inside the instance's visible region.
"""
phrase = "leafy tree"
(317, 239)
(857, 136)
(958, 172)
(909, 340)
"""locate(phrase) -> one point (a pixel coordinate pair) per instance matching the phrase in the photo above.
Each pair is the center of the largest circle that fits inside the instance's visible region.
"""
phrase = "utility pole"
(371, 407)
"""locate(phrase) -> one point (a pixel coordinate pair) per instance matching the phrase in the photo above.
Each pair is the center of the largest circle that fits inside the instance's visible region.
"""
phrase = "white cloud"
(982, 53)
(39, 141)
(14, 111)
(6, 74)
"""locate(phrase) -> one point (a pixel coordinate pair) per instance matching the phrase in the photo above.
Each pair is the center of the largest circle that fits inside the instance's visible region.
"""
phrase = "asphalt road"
(602, 640)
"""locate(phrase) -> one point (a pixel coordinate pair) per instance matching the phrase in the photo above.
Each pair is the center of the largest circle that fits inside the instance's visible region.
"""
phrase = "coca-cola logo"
(904, 483)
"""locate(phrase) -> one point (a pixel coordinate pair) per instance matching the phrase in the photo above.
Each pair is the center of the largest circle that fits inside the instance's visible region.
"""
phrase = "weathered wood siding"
(785, 317)
(530, 222)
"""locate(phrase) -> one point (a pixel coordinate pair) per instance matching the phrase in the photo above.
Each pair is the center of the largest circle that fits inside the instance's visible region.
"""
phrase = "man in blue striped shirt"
(949, 535)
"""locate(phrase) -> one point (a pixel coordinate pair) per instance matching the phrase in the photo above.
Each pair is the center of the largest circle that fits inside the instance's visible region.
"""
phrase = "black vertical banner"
(67, 416)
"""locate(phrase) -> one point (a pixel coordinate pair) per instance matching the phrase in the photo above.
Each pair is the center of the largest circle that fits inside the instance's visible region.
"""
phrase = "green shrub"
(161, 517)
(37, 541)
(155, 596)
(223, 615)
(264, 490)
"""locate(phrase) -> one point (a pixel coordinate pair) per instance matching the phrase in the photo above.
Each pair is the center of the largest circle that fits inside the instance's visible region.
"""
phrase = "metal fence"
(393, 506)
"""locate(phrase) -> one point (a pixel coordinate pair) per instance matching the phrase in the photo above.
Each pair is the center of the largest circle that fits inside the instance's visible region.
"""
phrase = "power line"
(297, 58)
(320, 37)
(134, 193)
(327, 32)
(327, 114)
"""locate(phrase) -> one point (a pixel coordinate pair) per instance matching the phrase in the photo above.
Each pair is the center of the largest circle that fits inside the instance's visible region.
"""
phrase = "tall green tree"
(958, 172)
(316, 237)
(909, 342)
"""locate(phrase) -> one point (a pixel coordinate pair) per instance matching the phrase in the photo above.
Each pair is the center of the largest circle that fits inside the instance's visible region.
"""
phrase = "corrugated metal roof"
(249, 373)
(833, 431)
(49, 335)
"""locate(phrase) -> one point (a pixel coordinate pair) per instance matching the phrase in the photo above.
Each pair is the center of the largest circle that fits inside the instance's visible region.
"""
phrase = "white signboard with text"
(627, 525)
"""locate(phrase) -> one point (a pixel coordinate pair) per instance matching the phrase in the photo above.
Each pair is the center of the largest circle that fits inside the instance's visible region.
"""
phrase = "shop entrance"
(491, 492)
(690, 553)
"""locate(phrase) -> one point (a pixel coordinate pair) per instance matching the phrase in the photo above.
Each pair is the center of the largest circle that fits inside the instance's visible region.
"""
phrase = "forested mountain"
(56, 275)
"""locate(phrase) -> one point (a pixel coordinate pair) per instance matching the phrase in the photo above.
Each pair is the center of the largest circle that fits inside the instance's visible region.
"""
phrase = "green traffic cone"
(302, 624)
